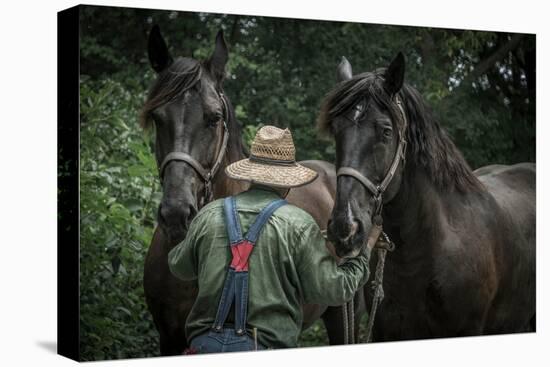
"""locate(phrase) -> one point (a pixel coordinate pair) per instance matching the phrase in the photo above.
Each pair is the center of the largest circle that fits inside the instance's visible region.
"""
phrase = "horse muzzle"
(174, 218)
(347, 236)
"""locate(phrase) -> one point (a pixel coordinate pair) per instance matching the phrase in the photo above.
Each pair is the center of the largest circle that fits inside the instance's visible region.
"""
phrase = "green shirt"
(289, 266)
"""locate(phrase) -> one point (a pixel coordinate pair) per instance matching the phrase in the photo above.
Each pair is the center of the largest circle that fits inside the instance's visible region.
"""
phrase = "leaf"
(133, 204)
(138, 171)
(124, 310)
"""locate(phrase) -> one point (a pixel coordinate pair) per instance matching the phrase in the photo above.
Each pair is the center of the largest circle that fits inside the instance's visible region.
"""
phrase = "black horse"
(196, 137)
(464, 262)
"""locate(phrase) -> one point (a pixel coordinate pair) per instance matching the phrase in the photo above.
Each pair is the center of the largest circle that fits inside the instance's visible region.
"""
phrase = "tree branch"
(484, 65)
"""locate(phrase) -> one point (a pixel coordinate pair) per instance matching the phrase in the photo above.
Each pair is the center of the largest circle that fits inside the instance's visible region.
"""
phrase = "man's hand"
(375, 232)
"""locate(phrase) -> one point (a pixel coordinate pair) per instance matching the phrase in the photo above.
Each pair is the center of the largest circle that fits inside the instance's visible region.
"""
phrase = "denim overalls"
(235, 288)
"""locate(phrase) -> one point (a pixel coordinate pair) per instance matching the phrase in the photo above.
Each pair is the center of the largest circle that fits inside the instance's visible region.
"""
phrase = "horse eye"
(213, 120)
(387, 132)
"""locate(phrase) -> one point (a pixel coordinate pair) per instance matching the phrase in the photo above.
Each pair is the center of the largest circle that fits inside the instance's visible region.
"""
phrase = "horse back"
(316, 198)
(514, 191)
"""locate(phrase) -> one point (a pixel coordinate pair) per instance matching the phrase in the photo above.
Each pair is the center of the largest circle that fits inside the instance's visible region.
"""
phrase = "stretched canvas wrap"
(423, 141)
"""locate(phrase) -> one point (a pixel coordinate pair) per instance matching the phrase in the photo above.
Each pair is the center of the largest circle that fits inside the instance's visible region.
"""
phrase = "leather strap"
(352, 172)
(235, 288)
(378, 190)
(184, 157)
(221, 151)
(203, 173)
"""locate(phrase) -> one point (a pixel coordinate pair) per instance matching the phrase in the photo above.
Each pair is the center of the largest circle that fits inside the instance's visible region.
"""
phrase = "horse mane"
(429, 146)
(171, 83)
(236, 149)
(181, 75)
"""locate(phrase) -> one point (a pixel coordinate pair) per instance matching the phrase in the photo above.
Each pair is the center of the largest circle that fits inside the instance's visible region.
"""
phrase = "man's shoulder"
(295, 216)
(210, 209)
(298, 225)
(289, 214)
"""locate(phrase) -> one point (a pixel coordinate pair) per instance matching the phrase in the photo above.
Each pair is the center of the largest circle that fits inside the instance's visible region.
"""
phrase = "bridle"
(205, 174)
(378, 190)
(376, 235)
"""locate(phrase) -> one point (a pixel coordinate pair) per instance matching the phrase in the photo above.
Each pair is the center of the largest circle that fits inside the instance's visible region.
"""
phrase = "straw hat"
(272, 161)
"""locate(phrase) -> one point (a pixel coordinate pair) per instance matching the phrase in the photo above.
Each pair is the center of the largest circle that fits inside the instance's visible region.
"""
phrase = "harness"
(235, 288)
(204, 174)
(378, 190)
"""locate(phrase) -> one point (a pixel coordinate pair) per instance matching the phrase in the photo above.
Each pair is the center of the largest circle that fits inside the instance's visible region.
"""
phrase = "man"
(257, 258)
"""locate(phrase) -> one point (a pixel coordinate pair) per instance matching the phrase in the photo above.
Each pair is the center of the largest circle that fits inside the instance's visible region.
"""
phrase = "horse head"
(188, 110)
(366, 118)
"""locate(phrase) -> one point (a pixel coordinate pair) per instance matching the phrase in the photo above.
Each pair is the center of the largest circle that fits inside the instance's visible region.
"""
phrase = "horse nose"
(343, 226)
(176, 215)
(353, 227)
(342, 230)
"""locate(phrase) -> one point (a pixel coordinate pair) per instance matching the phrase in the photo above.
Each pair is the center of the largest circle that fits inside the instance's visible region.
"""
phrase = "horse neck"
(414, 214)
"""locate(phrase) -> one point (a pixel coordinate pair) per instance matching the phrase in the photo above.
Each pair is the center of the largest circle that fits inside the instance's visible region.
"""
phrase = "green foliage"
(278, 72)
(280, 69)
(314, 336)
(118, 197)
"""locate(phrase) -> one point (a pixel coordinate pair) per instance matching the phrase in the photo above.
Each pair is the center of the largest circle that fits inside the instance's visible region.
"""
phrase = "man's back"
(289, 266)
(273, 281)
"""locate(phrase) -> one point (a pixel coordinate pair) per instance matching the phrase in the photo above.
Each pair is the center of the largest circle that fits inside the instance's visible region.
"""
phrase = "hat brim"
(273, 175)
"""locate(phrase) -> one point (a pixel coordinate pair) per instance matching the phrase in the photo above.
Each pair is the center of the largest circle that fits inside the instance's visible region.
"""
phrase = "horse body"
(465, 265)
(464, 258)
(513, 188)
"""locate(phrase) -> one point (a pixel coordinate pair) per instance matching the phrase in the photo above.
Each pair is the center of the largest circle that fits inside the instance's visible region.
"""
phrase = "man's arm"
(182, 258)
(322, 279)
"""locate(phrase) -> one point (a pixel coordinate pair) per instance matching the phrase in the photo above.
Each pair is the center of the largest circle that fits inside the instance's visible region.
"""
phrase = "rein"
(204, 174)
(377, 238)
(378, 190)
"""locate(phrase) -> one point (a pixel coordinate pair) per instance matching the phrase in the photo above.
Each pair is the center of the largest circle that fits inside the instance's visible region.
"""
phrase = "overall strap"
(235, 287)
(232, 222)
(262, 218)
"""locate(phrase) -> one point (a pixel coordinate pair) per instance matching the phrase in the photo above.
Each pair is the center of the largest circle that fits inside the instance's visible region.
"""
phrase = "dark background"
(481, 85)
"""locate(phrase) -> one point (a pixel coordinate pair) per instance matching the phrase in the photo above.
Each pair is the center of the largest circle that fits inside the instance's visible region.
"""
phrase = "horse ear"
(219, 58)
(159, 56)
(395, 74)
(344, 71)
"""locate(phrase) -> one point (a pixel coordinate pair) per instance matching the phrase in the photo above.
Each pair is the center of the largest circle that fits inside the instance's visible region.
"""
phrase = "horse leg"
(171, 331)
(333, 319)
(334, 323)
(172, 344)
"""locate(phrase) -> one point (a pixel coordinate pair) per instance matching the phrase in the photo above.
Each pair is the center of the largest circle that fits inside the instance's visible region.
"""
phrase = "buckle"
(217, 328)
